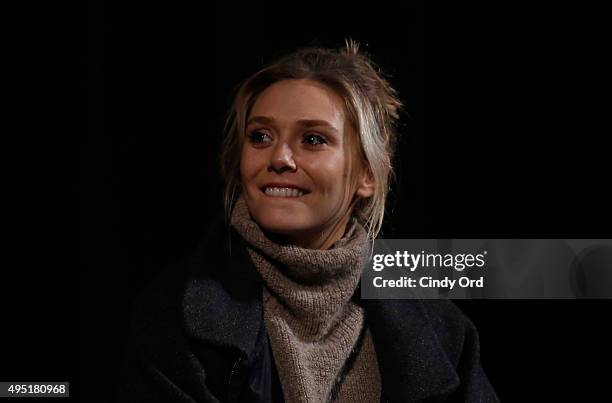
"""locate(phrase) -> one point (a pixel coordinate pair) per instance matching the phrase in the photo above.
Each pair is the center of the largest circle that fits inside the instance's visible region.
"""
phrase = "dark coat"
(198, 335)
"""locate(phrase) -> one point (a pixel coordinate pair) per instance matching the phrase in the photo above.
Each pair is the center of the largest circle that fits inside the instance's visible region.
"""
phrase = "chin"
(281, 222)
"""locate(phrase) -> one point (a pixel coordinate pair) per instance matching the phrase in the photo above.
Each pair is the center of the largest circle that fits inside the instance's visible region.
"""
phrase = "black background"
(503, 136)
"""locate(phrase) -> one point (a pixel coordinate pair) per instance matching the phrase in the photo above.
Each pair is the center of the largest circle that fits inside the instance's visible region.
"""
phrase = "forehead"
(291, 100)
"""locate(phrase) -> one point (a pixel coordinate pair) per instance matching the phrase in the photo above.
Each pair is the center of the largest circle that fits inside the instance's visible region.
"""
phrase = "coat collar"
(222, 300)
(222, 306)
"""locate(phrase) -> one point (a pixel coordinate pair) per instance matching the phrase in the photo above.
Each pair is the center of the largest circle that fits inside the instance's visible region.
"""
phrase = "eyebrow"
(302, 122)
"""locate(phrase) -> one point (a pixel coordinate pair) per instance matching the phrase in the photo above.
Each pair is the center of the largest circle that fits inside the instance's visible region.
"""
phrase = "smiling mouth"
(274, 191)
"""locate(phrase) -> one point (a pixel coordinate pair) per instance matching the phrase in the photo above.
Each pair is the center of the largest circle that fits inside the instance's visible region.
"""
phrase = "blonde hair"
(372, 107)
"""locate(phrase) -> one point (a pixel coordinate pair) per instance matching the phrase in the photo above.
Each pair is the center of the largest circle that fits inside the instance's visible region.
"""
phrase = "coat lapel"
(412, 361)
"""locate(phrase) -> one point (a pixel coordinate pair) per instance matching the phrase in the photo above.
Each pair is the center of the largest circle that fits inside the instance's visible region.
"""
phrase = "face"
(295, 160)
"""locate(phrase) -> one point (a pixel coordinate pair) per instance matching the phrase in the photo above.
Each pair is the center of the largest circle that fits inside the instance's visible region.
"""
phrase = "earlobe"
(365, 187)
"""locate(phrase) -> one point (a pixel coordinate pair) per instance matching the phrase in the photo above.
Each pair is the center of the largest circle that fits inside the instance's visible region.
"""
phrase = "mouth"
(284, 191)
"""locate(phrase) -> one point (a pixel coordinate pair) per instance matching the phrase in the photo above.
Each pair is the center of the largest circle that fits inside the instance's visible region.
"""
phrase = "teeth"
(284, 192)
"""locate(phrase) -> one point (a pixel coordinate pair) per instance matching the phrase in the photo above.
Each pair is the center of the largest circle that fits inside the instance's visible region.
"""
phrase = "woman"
(269, 308)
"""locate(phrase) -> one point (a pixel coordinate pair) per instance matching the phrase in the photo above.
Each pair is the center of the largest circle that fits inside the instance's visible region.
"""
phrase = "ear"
(365, 184)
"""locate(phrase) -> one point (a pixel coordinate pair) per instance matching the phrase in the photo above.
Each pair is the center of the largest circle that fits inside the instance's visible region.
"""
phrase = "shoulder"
(459, 338)
(430, 342)
(156, 312)
(196, 294)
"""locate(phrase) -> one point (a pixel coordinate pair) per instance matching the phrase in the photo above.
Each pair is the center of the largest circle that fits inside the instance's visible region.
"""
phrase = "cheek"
(248, 164)
(329, 175)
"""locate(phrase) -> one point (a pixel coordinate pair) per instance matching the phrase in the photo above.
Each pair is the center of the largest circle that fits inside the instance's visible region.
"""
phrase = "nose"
(282, 159)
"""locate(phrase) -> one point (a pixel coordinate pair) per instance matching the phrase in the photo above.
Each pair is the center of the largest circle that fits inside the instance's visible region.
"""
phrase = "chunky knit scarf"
(321, 348)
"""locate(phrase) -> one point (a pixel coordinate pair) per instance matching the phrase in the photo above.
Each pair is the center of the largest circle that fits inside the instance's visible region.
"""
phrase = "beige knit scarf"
(320, 346)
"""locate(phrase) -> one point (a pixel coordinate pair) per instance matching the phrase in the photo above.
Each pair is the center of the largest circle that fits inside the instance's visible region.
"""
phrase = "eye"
(314, 140)
(259, 137)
